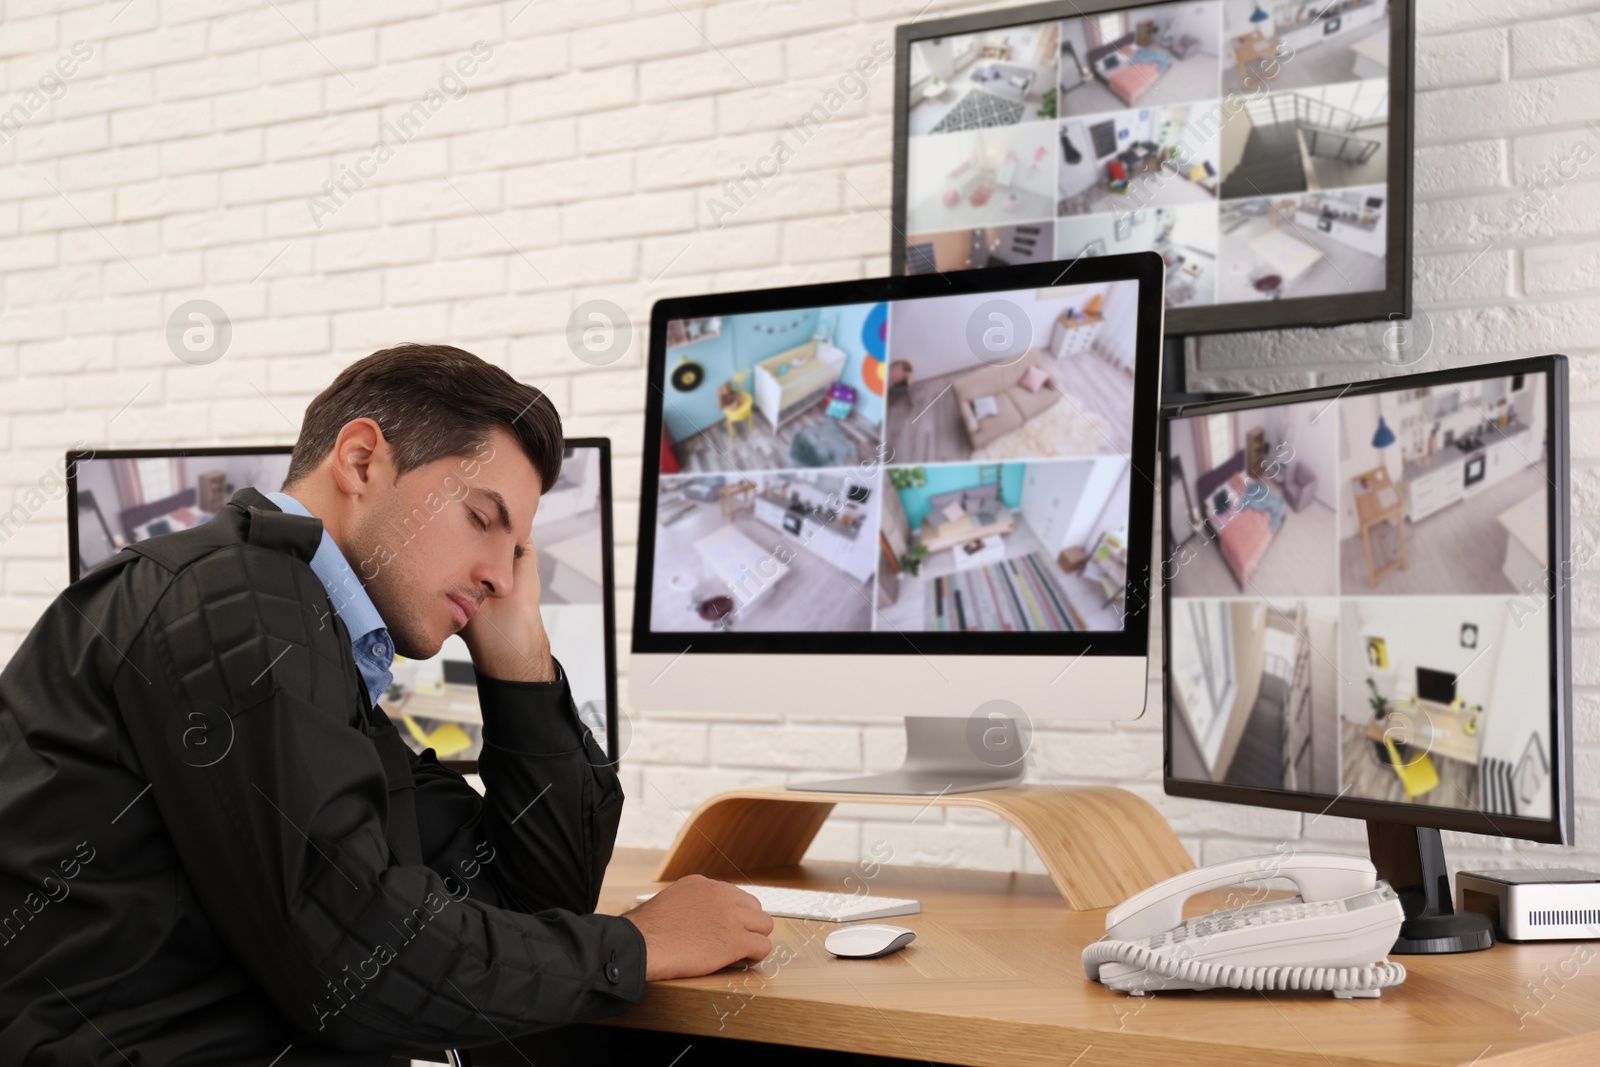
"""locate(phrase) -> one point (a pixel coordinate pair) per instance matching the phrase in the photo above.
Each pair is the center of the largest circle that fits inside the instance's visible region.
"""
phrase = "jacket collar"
(269, 526)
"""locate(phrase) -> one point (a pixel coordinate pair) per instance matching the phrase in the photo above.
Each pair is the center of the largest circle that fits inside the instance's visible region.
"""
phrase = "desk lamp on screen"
(1368, 615)
(930, 498)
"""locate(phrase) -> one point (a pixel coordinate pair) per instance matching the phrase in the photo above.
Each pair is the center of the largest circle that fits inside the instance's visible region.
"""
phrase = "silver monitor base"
(944, 755)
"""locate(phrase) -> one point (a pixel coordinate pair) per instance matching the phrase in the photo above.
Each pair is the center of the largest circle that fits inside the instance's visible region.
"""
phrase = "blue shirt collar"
(349, 597)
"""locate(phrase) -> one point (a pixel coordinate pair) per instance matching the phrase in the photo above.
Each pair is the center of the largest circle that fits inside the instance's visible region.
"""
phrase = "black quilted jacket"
(207, 847)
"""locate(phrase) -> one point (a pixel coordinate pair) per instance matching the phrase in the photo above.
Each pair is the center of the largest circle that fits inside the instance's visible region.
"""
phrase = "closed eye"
(483, 524)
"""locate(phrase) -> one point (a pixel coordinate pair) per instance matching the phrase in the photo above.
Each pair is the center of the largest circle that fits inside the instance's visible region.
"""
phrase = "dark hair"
(431, 402)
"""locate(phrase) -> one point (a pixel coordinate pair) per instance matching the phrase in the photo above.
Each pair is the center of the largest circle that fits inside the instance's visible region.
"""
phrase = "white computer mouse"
(863, 941)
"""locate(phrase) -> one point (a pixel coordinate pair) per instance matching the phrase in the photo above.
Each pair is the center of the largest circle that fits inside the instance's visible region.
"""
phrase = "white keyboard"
(824, 905)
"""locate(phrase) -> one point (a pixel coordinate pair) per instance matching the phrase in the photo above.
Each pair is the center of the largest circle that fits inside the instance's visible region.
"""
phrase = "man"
(216, 850)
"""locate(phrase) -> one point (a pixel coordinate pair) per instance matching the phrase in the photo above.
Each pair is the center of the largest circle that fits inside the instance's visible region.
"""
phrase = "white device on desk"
(1333, 937)
(867, 941)
(823, 905)
(1561, 904)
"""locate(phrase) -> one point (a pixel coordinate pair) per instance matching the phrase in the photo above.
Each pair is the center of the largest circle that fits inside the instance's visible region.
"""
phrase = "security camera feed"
(1245, 143)
(122, 501)
(433, 702)
(1359, 597)
(953, 463)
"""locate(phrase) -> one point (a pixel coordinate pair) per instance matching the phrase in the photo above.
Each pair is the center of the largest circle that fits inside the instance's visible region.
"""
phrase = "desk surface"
(1368, 505)
(994, 978)
(1433, 728)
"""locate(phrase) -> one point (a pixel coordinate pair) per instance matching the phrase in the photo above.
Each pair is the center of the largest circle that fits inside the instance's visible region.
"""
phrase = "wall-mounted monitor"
(1262, 150)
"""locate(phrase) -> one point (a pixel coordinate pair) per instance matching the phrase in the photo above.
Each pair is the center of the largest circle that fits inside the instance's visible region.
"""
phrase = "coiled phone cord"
(1330, 979)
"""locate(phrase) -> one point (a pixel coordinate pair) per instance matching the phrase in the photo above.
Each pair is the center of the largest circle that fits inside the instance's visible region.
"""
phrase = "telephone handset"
(1333, 937)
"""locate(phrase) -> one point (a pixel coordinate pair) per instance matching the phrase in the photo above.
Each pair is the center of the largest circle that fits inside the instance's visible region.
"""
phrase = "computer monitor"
(119, 497)
(918, 496)
(116, 498)
(1434, 685)
(1367, 612)
(1264, 151)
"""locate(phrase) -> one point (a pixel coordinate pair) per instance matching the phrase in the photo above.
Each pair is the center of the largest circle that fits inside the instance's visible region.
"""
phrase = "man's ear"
(362, 459)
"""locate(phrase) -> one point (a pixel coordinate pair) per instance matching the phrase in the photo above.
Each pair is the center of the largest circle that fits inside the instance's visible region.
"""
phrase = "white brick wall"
(581, 162)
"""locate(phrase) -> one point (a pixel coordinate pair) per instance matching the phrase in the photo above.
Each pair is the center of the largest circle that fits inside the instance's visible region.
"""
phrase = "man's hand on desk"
(696, 926)
(506, 636)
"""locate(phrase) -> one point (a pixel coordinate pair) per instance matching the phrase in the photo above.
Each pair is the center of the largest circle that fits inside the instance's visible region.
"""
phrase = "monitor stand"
(1411, 859)
(944, 754)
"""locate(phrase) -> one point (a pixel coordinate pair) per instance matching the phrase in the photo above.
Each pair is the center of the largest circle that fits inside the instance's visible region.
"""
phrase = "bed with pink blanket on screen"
(1243, 515)
(1129, 69)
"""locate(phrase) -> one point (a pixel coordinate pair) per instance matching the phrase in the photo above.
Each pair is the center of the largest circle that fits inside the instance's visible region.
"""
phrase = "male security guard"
(215, 847)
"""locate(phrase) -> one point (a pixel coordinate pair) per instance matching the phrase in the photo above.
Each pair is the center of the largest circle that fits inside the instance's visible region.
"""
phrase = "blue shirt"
(369, 638)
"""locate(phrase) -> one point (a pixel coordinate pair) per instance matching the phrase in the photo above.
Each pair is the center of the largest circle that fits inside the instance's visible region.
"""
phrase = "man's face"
(438, 540)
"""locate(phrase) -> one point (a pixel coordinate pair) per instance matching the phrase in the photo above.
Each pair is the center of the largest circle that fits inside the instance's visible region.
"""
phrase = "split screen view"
(1249, 149)
(941, 464)
(1359, 604)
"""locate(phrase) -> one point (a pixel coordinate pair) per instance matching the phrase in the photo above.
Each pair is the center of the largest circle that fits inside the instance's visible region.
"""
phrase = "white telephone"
(1334, 936)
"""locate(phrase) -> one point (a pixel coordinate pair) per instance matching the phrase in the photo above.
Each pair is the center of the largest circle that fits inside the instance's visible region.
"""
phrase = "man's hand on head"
(506, 636)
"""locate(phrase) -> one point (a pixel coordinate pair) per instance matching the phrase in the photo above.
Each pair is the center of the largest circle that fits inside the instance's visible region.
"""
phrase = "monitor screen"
(1360, 602)
(1249, 146)
(119, 498)
(954, 464)
(1438, 686)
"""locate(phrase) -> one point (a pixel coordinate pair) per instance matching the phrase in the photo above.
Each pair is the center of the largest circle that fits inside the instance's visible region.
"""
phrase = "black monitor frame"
(1145, 268)
(1392, 302)
(1558, 828)
(608, 563)
(609, 584)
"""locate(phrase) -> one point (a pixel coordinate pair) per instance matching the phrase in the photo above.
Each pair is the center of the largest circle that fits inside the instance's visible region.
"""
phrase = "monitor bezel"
(1558, 828)
(608, 564)
(1393, 301)
(608, 561)
(1143, 268)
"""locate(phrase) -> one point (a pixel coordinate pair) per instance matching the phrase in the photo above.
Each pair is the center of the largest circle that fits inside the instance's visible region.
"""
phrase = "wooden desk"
(740, 496)
(994, 978)
(456, 702)
(1251, 47)
(1433, 728)
(1370, 511)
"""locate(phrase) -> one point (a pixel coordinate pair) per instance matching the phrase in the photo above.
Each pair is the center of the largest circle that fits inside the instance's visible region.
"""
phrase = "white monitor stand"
(944, 755)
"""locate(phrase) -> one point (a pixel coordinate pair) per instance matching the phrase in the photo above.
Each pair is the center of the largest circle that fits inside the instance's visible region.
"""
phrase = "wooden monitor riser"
(1099, 844)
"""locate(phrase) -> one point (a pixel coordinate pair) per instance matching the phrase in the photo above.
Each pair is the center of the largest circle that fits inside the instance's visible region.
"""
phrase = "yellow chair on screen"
(744, 405)
(446, 740)
(1417, 777)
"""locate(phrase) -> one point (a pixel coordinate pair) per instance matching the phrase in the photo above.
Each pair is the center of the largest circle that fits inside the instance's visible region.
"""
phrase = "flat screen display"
(1360, 597)
(1248, 144)
(124, 497)
(947, 464)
